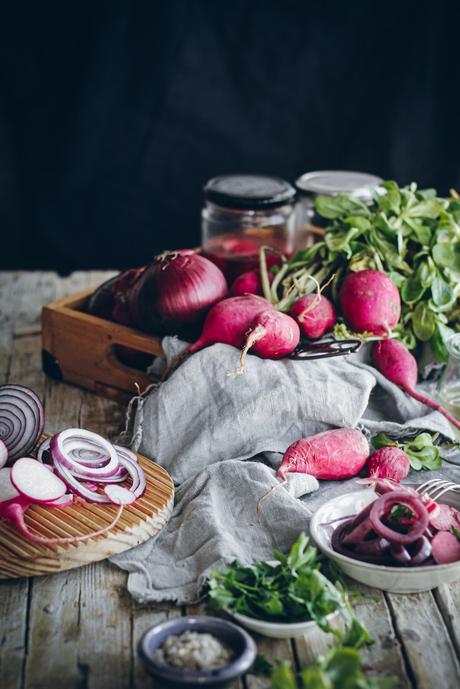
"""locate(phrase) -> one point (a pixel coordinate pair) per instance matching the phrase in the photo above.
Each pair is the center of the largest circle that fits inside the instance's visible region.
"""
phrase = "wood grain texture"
(82, 348)
(138, 522)
(79, 628)
(429, 650)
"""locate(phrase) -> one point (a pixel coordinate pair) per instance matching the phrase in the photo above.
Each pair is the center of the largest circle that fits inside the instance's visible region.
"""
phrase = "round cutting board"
(139, 521)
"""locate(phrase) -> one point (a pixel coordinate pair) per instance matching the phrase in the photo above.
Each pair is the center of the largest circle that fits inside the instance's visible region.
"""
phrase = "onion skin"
(370, 302)
(315, 315)
(175, 291)
(388, 463)
(109, 299)
(22, 420)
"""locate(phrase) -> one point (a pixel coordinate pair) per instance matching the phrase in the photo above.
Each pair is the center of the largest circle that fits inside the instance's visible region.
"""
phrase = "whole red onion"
(175, 291)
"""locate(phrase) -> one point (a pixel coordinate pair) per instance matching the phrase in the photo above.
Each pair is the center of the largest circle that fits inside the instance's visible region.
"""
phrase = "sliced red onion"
(373, 547)
(136, 472)
(422, 550)
(382, 506)
(3, 454)
(21, 420)
(125, 452)
(400, 553)
(44, 452)
(358, 533)
(63, 445)
(77, 487)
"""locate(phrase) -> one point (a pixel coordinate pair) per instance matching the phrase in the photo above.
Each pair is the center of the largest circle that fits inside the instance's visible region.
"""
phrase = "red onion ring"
(382, 506)
(62, 444)
(358, 533)
(21, 420)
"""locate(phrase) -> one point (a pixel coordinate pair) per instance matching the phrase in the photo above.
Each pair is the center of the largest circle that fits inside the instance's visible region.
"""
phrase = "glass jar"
(329, 183)
(243, 213)
(449, 384)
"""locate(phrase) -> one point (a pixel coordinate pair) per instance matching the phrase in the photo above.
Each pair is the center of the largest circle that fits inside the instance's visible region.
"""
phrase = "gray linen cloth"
(200, 424)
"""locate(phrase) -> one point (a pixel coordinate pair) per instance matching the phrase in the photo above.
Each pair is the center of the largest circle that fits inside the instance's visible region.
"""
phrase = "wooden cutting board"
(139, 521)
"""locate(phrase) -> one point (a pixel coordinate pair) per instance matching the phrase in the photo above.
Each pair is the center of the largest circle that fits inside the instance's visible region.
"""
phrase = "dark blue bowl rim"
(237, 667)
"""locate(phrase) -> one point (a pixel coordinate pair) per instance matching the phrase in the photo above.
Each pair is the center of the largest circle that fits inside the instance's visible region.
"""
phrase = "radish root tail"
(254, 336)
(432, 404)
(18, 520)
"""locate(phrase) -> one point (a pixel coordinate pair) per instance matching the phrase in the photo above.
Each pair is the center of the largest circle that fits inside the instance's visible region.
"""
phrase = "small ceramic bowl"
(230, 634)
(394, 579)
(278, 630)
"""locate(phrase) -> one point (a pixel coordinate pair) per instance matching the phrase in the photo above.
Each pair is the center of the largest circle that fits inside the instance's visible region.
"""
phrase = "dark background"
(113, 115)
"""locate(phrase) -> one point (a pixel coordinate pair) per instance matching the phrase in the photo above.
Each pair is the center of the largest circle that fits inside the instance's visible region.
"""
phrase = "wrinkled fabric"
(200, 424)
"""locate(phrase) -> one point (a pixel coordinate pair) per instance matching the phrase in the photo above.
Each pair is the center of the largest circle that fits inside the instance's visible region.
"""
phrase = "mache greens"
(411, 234)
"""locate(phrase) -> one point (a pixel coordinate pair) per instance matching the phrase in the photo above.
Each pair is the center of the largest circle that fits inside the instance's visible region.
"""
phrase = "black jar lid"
(249, 192)
(331, 182)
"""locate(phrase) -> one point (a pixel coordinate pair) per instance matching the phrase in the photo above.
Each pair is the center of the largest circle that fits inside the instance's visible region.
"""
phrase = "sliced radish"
(3, 454)
(35, 481)
(445, 548)
(65, 501)
(7, 490)
(119, 495)
(444, 519)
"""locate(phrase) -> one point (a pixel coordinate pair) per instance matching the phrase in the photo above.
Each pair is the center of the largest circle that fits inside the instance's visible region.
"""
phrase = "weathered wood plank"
(448, 600)
(425, 639)
(104, 644)
(385, 656)
(144, 617)
(13, 631)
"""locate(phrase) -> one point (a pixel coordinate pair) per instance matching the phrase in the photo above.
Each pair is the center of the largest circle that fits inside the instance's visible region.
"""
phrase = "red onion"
(3, 454)
(358, 533)
(64, 444)
(21, 420)
(177, 289)
(381, 508)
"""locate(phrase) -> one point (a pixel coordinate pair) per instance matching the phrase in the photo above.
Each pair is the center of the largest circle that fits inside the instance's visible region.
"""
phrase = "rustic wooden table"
(79, 629)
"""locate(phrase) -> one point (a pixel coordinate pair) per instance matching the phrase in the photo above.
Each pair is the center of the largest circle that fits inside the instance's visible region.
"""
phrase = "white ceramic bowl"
(278, 630)
(281, 630)
(395, 579)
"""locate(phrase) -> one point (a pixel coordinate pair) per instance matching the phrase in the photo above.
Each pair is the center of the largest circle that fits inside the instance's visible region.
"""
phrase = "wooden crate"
(80, 348)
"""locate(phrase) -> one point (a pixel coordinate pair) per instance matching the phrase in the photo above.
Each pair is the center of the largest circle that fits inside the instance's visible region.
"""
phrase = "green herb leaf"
(261, 666)
(424, 322)
(455, 532)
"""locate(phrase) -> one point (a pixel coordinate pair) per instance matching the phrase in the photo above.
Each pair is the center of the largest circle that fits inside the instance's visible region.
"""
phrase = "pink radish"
(7, 490)
(120, 495)
(249, 322)
(445, 518)
(3, 454)
(388, 462)
(247, 283)
(13, 505)
(399, 366)
(445, 548)
(65, 501)
(370, 302)
(314, 313)
(35, 481)
(336, 454)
